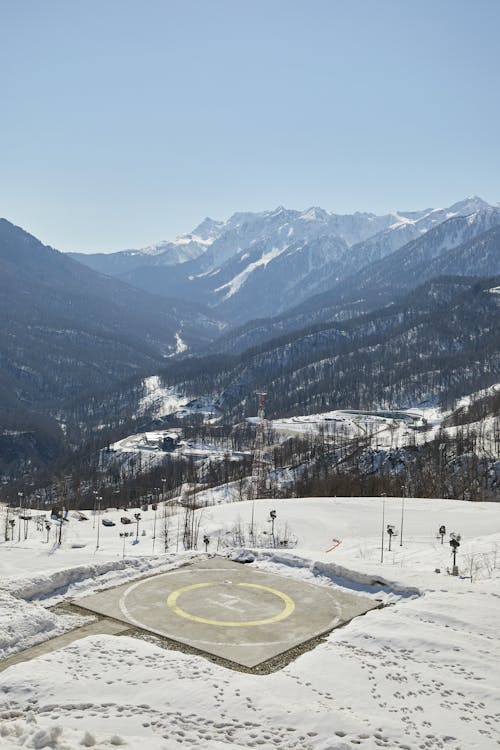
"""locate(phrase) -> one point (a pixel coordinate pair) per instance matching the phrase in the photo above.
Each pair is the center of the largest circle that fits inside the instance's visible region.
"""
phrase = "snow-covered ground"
(419, 674)
(160, 399)
(386, 429)
(390, 429)
(164, 400)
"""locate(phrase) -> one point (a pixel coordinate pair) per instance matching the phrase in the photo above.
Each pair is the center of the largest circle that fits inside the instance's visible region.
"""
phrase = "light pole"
(383, 529)
(99, 498)
(155, 506)
(95, 493)
(178, 527)
(403, 492)
(390, 532)
(455, 544)
(272, 516)
(20, 494)
(6, 523)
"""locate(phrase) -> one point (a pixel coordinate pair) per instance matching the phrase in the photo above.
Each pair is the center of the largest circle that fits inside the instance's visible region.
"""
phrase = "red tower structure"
(258, 486)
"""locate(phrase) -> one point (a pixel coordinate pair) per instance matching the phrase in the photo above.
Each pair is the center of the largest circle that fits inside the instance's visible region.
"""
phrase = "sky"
(126, 122)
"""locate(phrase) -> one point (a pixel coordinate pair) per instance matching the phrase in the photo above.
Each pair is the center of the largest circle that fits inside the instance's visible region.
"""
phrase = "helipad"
(229, 610)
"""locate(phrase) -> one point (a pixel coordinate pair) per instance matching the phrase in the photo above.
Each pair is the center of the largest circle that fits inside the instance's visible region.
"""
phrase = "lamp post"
(390, 532)
(455, 544)
(272, 516)
(20, 495)
(178, 528)
(99, 498)
(154, 525)
(383, 528)
(95, 493)
(6, 534)
(403, 493)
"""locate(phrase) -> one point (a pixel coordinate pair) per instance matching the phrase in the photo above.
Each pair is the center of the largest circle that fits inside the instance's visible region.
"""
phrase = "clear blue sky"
(124, 122)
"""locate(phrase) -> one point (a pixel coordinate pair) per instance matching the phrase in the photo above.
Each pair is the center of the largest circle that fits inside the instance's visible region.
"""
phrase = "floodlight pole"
(178, 527)
(383, 529)
(95, 493)
(20, 494)
(253, 512)
(154, 531)
(403, 491)
(99, 498)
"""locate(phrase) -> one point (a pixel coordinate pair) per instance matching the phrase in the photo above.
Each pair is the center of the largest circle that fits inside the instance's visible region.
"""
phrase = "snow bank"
(339, 575)
(25, 620)
(23, 624)
(81, 579)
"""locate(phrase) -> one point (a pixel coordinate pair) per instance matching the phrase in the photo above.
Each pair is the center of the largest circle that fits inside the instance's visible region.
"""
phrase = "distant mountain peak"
(208, 228)
(315, 214)
(469, 205)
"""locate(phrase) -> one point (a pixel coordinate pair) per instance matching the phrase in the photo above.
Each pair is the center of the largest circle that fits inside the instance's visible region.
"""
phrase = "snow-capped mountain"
(411, 262)
(259, 264)
(185, 248)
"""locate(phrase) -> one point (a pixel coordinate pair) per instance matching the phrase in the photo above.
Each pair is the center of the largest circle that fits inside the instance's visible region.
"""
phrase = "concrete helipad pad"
(229, 610)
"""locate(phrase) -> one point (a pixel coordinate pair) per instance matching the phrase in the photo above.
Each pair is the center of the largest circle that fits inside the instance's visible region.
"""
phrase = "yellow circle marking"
(285, 612)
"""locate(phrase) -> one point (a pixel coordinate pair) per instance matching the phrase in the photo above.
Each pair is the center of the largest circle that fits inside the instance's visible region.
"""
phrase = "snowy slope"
(415, 675)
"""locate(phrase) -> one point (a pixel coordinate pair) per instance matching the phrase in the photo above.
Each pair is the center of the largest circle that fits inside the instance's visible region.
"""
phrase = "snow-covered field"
(421, 673)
